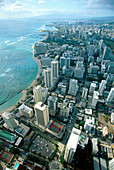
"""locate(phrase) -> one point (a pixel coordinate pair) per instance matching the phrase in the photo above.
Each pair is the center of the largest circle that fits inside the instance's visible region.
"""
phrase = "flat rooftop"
(73, 139)
(25, 108)
(56, 127)
(7, 136)
(7, 156)
(40, 106)
(7, 115)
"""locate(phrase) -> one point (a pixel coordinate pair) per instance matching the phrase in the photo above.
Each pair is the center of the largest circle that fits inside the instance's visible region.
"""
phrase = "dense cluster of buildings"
(75, 101)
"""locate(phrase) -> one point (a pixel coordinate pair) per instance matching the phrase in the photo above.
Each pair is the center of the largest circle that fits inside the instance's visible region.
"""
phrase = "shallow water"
(17, 68)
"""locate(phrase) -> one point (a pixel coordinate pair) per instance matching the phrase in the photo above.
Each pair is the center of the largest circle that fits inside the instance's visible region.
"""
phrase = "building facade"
(9, 120)
(26, 111)
(48, 78)
(37, 91)
(73, 87)
(111, 95)
(72, 145)
(41, 114)
(55, 70)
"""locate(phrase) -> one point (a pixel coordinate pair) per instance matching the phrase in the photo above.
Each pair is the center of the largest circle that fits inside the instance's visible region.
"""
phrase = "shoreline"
(24, 95)
(56, 28)
(26, 90)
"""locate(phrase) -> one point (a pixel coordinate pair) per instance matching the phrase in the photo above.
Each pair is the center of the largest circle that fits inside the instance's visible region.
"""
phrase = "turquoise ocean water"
(17, 68)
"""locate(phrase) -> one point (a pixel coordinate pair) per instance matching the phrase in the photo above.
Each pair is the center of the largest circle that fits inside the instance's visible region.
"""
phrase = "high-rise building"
(78, 73)
(112, 117)
(89, 123)
(52, 102)
(106, 53)
(64, 111)
(111, 164)
(46, 61)
(102, 86)
(111, 95)
(79, 70)
(91, 50)
(72, 145)
(48, 77)
(55, 70)
(37, 91)
(44, 94)
(9, 120)
(103, 68)
(100, 43)
(73, 87)
(95, 99)
(93, 69)
(92, 88)
(26, 111)
(41, 114)
(64, 61)
(84, 93)
(91, 59)
(39, 48)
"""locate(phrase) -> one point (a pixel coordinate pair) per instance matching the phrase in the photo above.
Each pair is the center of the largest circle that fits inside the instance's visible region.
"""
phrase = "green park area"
(110, 44)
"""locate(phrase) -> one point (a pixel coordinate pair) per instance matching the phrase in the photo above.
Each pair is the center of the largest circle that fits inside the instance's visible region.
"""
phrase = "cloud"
(77, 1)
(100, 4)
(16, 6)
(41, 1)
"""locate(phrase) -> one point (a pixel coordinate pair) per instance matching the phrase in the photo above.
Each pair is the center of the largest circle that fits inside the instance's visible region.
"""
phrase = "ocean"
(17, 68)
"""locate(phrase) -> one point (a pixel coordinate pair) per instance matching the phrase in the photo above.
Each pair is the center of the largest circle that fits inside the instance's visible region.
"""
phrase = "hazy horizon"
(71, 8)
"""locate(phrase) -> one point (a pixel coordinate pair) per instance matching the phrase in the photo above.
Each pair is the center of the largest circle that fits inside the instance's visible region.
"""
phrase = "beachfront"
(26, 90)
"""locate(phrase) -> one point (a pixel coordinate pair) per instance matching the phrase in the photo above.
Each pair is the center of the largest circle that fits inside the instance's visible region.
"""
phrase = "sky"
(30, 8)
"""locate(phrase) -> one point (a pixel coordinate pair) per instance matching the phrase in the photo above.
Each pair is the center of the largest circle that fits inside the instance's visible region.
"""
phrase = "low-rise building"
(26, 111)
(89, 124)
(22, 130)
(55, 129)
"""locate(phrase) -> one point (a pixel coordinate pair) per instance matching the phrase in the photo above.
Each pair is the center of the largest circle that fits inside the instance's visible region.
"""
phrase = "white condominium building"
(39, 48)
(26, 111)
(72, 145)
(41, 114)
(48, 78)
(73, 87)
(111, 95)
(95, 99)
(9, 120)
(55, 70)
(102, 86)
(37, 91)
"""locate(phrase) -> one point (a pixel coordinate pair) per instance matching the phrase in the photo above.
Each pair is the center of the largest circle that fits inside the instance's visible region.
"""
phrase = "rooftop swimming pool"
(80, 137)
(16, 166)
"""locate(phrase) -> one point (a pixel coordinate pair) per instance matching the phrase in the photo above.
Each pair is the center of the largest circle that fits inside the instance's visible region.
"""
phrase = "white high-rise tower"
(102, 86)
(9, 120)
(55, 70)
(111, 95)
(48, 77)
(41, 114)
(84, 93)
(73, 87)
(92, 88)
(37, 91)
(95, 99)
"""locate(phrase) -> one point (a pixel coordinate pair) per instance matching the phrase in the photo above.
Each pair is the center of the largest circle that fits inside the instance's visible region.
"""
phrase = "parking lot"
(42, 146)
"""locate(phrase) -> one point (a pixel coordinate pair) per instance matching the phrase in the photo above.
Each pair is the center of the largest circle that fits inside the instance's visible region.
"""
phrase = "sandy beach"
(31, 86)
